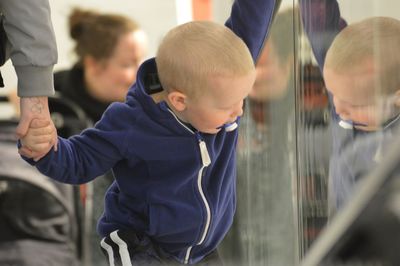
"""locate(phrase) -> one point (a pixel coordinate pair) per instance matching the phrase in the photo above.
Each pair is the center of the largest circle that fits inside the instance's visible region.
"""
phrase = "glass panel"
(265, 227)
(313, 144)
(346, 123)
(312, 154)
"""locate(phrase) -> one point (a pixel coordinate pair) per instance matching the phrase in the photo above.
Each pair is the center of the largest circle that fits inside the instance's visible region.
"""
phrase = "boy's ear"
(177, 99)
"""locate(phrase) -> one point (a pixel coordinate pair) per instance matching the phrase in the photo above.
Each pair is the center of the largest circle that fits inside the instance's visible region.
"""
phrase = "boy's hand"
(31, 108)
(39, 139)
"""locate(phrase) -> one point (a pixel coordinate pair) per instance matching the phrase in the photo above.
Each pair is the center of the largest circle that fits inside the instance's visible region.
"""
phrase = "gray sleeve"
(32, 45)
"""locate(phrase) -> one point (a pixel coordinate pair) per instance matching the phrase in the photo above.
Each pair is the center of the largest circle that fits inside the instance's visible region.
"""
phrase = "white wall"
(355, 10)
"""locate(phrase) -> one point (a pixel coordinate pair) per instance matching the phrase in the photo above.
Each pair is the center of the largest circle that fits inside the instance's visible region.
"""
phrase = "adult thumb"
(22, 127)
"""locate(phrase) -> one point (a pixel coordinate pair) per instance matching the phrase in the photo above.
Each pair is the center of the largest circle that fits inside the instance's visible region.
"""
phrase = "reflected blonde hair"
(194, 52)
(376, 39)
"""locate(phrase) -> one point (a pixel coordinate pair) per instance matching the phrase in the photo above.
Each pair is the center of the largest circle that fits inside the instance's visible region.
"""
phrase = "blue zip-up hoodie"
(172, 183)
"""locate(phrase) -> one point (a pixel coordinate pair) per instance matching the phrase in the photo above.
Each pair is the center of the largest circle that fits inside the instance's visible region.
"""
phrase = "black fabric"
(141, 250)
(69, 118)
(3, 41)
(153, 84)
(71, 85)
(1, 81)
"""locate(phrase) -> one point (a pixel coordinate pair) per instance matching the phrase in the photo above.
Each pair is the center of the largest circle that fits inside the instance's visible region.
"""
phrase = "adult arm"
(31, 45)
(33, 51)
(322, 22)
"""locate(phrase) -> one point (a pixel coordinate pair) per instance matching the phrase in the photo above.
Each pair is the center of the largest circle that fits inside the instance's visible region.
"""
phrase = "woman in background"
(109, 48)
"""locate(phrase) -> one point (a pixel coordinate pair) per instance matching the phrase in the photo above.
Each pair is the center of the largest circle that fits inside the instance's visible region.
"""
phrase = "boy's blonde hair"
(376, 38)
(194, 52)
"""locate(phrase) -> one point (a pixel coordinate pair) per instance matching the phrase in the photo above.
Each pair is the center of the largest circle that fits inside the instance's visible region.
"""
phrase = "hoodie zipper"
(206, 161)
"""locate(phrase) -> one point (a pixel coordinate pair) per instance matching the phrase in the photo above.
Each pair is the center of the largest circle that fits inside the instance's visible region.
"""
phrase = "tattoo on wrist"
(37, 105)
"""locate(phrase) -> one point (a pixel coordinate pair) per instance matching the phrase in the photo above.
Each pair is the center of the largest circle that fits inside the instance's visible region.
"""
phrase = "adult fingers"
(38, 123)
(49, 130)
(40, 148)
(43, 139)
(23, 126)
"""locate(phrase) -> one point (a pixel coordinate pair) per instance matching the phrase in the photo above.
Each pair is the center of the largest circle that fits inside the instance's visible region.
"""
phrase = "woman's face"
(113, 76)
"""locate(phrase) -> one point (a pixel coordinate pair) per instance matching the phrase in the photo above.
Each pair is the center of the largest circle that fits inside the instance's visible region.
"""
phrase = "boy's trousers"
(127, 248)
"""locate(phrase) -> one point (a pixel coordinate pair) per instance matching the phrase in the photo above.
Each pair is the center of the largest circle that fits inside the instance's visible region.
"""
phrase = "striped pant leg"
(126, 248)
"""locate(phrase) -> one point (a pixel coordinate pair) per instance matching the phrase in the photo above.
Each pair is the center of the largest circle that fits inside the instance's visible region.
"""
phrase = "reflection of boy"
(174, 166)
(359, 64)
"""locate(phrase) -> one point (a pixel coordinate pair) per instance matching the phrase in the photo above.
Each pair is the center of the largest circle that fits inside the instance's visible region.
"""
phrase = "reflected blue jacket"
(354, 152)
(173, 183)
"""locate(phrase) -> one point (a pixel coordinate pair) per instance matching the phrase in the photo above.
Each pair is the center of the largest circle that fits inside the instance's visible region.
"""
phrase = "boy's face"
(355, 97)
(219, 104)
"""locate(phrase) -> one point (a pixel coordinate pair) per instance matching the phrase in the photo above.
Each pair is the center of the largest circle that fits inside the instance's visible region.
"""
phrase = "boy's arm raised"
(250, 20)
(322, 22)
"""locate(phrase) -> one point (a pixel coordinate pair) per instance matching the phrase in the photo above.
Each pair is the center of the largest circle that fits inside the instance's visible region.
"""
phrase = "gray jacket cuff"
(35, 81)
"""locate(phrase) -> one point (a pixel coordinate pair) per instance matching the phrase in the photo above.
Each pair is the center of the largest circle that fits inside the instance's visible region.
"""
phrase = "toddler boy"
(169, 145)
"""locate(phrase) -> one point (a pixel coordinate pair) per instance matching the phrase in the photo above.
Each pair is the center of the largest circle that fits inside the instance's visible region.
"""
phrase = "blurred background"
(286, 132)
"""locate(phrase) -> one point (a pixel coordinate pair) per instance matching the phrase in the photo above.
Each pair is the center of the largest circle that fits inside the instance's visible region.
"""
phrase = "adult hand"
(30, 108)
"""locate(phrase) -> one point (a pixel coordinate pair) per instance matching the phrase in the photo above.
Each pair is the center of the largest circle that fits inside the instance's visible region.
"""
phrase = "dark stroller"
(42, 222)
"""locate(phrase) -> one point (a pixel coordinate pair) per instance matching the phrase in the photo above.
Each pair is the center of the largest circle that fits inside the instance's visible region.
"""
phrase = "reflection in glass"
(359, 62)
(264, 230)
(312, 152)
